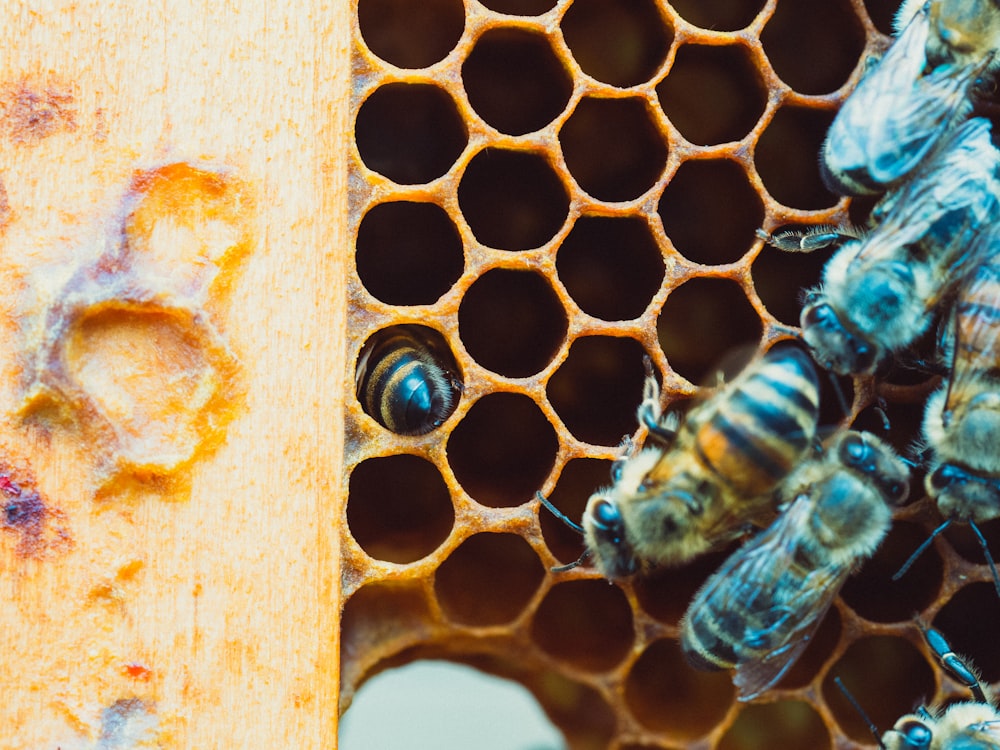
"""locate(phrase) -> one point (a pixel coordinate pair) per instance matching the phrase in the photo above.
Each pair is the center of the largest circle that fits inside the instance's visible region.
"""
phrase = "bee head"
(964, 495)
(604, 531)
(833, 346)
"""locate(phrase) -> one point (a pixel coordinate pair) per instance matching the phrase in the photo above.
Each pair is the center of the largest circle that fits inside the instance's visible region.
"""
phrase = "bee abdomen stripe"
(704, 646)
(987, 312)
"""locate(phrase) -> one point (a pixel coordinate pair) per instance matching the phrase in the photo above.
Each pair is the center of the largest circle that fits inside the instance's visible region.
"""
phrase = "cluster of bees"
(749, 456)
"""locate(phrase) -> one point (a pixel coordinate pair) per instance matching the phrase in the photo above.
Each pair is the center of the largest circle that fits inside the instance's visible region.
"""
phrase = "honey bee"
(879, 289)
(403, 382)
(758, 612)
(700, 482)
(899, 110)
(961, 31)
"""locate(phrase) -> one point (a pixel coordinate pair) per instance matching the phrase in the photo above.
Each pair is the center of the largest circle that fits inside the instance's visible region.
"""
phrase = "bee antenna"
(987, 555)
(861, 712)
(841, 398)
(920, 550)
(562, 517)
(575, 564)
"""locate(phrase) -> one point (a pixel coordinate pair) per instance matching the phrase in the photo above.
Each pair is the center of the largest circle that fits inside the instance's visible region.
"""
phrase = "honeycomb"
(554, 191)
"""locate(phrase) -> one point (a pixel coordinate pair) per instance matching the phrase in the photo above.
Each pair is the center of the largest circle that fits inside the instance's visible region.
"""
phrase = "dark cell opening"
(520, 7)
(787, 158)
(780, 279)
(409, 34)
(790, 725)
(718, 15)
(969, 623)
(577, 482)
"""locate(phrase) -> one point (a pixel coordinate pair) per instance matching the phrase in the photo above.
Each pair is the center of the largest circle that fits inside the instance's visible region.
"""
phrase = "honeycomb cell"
(875, 596)
(622, 44)
(511, 322)
(964, 541)
(790, 725)
(888, 677)
(700, 192)
(666, 593)
(585, 623)
(520, 7)
(969, 621)
(514, 81)
(512, 200)
(488, 580)
(611, 266)
(816, 654)
(703, 320)
(411, 133)
(408, 253)
(712, 94)
(882, 13)
(398, 508)
(666, 695)
(780, 277)
(718, 15)
(407, 379)
(824, 32)
(787, 158)
(502, 450)
(408, 34)
(597, 389)
(577, 482)
(612, 148)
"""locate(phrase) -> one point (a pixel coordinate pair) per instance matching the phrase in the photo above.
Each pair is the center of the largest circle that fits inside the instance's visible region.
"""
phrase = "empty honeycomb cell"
(882, 13)
(408, 253)
(875, 596)
(611, 266)
(512, 200)
(965, 542)
(398, 508)
(790, 725)
(511, 322)
(887, 675)
(577, 481)
(618, 43)
(666, 592)
(502, 450)
(409, 132)
(822, 643)
(694, 196)
(825, 33)
(612, 148)
(780, 278)
(488, 579)
(703, 320)
(520, 7)
(712, 94)
(969, 622)
(718, 15)
(597, 389)
(787, 157)
(666, 695)
(408, 34)
(514, 81)
(585, 623)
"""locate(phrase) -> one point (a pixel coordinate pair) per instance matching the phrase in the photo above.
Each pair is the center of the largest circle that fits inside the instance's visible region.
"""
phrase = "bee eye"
(896, 490)
(820, 315)
(946, 475)
(853, 450)
(606, 515)
(617, 467)
(916, 735)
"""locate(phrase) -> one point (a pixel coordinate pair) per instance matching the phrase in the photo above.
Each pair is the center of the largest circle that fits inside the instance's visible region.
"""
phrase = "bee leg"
(662, 428)
(808, 240)
(953, 663)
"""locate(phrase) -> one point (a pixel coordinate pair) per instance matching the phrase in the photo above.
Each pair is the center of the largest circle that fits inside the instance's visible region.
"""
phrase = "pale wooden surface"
(227, 598)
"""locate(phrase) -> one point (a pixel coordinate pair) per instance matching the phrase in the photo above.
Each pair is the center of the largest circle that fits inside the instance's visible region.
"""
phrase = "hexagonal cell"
(407, 379)
(408, 253)
(512, 200)
(787, 158)
(612, 148)
(585, 623)
(514, 81)
(618, 43)
(882, 13)
(502, 450)
(398, 508)
(666, 695)
(597, 389)
(718, 15)
(710, 211)
(886, 675)
(712, 94)
(824, 32)
(875, 596)
(790, 725)
(611, 266)
(666, 593)
(512, 322)
(488, 580)
(411, 133)
(969, 622)
(577, 482)
(965, 542)
(817, 653)
(408, 34)
(520, 7)
(779, 278)
(703, 320)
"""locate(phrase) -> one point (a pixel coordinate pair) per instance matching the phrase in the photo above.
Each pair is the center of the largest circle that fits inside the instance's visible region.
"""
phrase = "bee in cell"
(759, 610)
(702, 481)
(405, 380)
